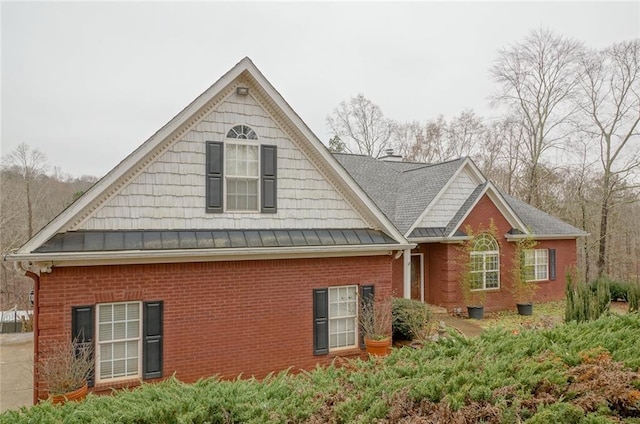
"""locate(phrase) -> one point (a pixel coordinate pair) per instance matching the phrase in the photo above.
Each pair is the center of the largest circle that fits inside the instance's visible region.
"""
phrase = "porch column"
(406, 273)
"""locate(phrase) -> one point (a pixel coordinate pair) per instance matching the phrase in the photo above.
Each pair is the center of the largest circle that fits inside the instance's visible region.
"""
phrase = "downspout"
(406, 273)
(36, 309)
(20, 269)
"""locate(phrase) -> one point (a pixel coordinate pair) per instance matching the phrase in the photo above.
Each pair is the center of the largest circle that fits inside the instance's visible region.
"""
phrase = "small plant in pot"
(473, 255)
(375, 324)
(523, 284)
(66, 367)
(473, 298)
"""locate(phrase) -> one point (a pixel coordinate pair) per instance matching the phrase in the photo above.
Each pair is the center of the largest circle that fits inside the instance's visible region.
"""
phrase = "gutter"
(204, 255)
(514, 237)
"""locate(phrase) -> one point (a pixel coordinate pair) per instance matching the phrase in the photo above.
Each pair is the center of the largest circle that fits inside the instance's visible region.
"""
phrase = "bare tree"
(465, 133)
(362, 126)
(501, 157)
(537, 78)
(29, 164)
(610, 104)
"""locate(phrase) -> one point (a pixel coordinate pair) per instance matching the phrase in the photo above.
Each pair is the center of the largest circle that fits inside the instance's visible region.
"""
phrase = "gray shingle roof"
(538, 222)
(401, 190)
(99, 241)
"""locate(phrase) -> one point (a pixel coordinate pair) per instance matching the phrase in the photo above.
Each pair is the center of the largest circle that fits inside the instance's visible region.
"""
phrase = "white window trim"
(98, 343)
(483, 254)
(535, 264)
(240, 141)
(355, 318)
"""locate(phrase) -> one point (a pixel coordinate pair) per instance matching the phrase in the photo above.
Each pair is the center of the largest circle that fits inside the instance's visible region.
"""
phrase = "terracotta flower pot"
(76, 395)
(377, 347)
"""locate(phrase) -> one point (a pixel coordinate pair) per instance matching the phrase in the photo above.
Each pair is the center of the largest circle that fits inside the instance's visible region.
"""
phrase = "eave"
(203, 255)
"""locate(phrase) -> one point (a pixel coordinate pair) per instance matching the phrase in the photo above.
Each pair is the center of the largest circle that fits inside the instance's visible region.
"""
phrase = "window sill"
(118, 384)
(351, 351)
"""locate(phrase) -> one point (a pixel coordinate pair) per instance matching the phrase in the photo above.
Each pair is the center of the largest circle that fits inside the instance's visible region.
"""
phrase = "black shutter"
(269, 157)
(366, 297)
(82, 329)
(552, 264)
(152, 340)
(214, 176)
(320, 321)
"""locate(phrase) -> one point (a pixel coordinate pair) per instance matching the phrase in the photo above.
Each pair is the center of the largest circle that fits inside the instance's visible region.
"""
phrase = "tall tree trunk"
(604, 217)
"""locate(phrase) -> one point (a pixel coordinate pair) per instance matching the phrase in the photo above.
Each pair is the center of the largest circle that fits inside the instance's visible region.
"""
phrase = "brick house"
(232, 241)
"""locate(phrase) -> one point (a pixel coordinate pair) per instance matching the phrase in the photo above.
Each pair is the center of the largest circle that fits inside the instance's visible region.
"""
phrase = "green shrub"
(619, 290)
(520, 377)
(634, 296)
(557, 413)
(586, 302)
(410, 319)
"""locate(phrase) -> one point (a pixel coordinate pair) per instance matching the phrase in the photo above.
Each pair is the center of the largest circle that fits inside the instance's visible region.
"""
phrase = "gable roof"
(245, 73)
(405, 191)
(402, 190)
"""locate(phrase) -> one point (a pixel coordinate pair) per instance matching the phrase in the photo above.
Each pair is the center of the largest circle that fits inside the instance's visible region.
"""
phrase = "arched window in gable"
(242, 132)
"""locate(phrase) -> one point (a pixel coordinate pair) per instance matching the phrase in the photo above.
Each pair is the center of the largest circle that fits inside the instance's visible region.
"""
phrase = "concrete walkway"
(464, 325)
(16, 372)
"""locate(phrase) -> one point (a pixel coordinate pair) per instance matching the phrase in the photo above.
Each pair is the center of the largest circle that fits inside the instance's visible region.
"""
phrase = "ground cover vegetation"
(573, 373)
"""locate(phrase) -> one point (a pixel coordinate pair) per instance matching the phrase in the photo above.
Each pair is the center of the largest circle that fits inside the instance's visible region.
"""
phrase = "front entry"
(417, 276)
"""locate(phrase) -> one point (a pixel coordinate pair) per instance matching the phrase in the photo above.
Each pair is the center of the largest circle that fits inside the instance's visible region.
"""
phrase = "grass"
(545, 316)
(573, 373)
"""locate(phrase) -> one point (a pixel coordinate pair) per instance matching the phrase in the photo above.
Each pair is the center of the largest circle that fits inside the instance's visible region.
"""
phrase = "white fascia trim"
(475, 175)
(138, 154)
(204, 255)
(506, 211)
(515, 237)
(288, 111)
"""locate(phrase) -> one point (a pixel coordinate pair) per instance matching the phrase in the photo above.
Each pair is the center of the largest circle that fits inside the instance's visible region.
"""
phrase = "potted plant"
(523, 287)
(66, 367)
(375, 324)
(473, 298)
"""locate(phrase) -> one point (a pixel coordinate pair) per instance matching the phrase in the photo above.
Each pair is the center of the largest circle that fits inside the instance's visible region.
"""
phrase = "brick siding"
(220, 318)
(441, 280)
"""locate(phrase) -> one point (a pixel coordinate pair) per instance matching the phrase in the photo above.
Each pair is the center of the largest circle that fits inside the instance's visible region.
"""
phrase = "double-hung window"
(536, 263)
(485, 263)
(241, 173)
(343, 316)
(241, 164)
(119, 347)
(127, 337)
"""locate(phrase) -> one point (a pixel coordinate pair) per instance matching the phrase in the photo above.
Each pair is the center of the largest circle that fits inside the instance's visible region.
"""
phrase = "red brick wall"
(220, 318)
(443, 276)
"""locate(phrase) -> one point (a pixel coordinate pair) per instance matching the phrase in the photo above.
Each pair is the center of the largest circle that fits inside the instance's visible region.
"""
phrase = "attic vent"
(242, 91)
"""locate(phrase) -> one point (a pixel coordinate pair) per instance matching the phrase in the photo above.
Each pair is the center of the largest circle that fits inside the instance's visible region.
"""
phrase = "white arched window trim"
(485, 263)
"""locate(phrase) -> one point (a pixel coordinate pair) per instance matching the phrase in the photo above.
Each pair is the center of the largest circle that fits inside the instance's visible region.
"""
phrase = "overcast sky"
(86, 83)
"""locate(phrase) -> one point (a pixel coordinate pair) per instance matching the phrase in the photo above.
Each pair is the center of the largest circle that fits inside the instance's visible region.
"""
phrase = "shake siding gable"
(450, 202)
(170, 193)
